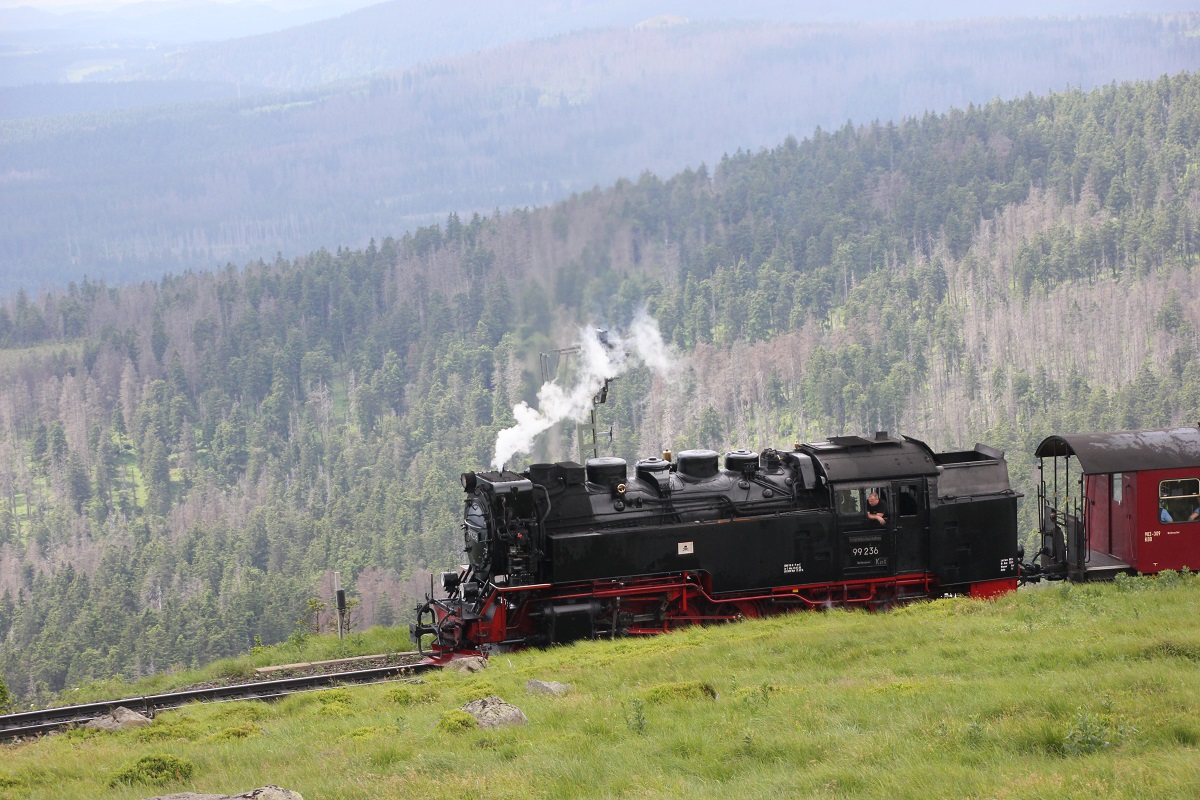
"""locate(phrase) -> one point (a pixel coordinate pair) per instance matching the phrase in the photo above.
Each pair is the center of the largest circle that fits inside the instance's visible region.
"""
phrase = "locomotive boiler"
(566, 551)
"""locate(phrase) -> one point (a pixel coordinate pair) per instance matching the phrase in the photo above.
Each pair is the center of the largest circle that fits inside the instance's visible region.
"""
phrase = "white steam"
(648, 345)
(642, 344)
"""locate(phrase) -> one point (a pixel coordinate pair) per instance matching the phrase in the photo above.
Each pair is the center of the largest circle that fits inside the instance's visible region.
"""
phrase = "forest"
(129, 193)
(184, 463)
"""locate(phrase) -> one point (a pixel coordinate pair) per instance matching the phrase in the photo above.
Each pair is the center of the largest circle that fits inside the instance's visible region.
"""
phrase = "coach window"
(1118, 481)
(1179, 500)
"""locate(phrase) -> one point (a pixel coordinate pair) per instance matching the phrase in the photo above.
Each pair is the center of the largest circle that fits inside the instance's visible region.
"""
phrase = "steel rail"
(33, 723)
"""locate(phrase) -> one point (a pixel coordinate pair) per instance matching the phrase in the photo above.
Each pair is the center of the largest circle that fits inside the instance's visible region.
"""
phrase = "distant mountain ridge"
(162, 21)
(400, 34)
(184, 38)
(525, 124)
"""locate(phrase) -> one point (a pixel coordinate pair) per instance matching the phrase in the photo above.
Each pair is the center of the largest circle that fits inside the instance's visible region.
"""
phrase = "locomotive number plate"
(686, 548)
(866, 551)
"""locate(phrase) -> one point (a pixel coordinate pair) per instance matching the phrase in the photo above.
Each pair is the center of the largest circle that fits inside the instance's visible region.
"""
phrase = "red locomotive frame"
(676, 601)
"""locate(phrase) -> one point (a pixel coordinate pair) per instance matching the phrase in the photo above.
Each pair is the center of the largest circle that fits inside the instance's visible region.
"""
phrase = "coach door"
(864, 540)
(911, 526)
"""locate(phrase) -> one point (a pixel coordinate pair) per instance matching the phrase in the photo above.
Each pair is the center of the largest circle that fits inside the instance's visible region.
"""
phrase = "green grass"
(1056, 692)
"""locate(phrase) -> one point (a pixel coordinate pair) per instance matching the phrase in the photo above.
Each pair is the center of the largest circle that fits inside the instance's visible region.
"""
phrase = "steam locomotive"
(566, 551)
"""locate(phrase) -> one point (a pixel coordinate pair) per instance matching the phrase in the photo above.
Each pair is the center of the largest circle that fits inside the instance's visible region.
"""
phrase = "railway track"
(36, 723)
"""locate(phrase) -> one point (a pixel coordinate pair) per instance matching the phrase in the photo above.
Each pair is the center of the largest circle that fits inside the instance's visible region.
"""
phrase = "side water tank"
(697, 465)
(606, 470)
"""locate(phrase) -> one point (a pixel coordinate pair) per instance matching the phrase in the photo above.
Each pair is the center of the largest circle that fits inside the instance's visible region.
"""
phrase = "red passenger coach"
(1126, 502)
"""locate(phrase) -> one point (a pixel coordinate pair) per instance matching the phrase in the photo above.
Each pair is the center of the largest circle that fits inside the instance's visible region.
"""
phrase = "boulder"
(547, 687)
(263, 793)
(268, 793)
(492, 712)
(468, 664)
(119, 719)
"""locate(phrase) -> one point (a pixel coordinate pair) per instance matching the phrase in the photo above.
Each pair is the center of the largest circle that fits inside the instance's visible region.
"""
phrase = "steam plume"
(597, 363)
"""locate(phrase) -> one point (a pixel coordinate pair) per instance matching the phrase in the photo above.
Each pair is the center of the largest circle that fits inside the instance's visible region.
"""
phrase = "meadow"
(1052, 692)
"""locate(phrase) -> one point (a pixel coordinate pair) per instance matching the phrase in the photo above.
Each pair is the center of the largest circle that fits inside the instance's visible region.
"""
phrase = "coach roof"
(1127, 451)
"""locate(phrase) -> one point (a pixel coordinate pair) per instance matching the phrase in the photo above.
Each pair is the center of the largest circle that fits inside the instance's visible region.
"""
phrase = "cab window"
(854, 502)
(909, 500)
(850, 502)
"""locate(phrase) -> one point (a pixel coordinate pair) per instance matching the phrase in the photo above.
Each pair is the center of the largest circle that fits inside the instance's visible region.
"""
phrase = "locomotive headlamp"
(620, 488)
(468, 481)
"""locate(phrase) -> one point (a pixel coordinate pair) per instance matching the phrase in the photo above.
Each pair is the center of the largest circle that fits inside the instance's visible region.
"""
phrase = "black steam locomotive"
(567, 551)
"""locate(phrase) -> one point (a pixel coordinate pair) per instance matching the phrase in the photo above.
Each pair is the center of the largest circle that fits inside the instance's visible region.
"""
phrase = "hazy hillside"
(399, 34)
(302, 43)
(183, 463)
(175, 22)
(139, 193)
(47, 43)
(49, 100)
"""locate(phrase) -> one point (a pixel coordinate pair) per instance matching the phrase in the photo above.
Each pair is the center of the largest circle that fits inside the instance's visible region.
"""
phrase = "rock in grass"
(468, 664)
(119, 719)
(548, 687)
(492, 712)
(263, 793)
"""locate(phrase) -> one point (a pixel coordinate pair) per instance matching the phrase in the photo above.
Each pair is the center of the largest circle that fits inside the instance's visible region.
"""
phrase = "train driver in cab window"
(876, 510)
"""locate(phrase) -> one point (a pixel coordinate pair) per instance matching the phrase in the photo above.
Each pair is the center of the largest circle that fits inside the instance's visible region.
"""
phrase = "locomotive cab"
(879, 489)
(891, 539)
(867, 530)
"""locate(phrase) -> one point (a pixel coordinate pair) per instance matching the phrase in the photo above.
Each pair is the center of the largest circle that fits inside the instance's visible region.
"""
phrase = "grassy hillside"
(1062, 691)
